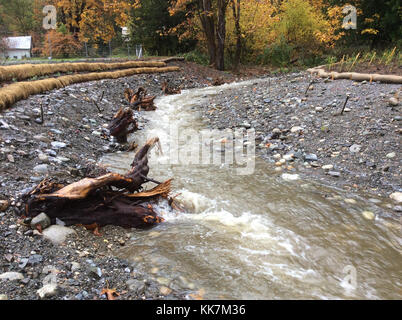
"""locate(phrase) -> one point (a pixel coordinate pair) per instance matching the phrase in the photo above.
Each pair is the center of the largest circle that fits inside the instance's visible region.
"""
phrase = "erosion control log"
(110, 199)
(22, 90)
(355, 76)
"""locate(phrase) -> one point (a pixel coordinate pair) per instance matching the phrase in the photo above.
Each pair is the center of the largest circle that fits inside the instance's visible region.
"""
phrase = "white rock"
(288, 157)
(11, 276)
(368, 215)
(396, 196)
(296, 129)
(393, 102)
(57, 234)
(391, 155)
(327, 167)
(3, 297)
(290, 177)
(319, 109)
(47, 291)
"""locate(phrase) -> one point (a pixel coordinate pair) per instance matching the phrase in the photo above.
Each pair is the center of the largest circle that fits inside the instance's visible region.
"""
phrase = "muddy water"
(259, 236)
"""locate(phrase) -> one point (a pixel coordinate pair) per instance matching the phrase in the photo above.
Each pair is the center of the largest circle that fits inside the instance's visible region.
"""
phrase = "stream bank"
(27, 154)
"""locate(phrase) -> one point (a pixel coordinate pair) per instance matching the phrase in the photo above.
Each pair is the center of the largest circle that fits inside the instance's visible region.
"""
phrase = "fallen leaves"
(111, 294)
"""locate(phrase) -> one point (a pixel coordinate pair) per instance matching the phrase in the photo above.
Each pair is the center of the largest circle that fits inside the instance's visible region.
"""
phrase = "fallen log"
(111, 199)
(123, 123)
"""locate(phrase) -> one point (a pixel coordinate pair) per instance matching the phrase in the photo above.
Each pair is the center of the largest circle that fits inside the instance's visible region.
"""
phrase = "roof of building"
(20, 43)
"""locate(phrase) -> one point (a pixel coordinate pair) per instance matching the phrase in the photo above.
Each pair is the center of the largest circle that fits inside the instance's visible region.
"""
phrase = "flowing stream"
(258, 236)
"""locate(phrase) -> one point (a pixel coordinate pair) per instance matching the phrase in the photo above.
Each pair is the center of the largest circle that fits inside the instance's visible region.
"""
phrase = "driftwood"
(111, 199)
(123, 123)
(167, 90)
(140, 99)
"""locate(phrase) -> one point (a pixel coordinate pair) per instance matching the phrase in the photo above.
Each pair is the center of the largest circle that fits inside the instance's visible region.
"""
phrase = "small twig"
(41, 114)
(93, 100)
(101, 98)
(346, 101)
(149, 179)
(308, 87)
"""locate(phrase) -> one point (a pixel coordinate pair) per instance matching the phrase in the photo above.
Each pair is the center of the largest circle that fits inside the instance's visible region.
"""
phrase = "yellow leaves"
(370, 31)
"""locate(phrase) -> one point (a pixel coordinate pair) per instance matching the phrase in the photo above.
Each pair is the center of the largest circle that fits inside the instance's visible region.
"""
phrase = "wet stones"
(396, 196)
(42, 168)
(41, 220)
(11, 276)
(58, 145)
(354, 148)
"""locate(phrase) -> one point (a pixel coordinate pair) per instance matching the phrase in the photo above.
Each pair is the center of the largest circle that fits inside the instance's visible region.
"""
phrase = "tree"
(236, 16)
(63, 45)
(152, 25)
(17, 16)
(212, 17)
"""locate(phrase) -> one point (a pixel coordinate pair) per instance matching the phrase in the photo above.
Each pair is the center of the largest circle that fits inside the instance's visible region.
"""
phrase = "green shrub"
(197, 57)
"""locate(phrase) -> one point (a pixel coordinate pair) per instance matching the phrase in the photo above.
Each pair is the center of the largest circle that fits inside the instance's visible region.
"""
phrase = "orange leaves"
(111, 294)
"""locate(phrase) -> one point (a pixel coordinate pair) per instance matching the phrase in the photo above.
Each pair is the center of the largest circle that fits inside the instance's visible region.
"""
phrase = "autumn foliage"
(60, 45)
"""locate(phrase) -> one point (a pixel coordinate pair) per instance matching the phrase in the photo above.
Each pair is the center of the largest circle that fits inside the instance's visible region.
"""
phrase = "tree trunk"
(221, 35)
(236, 16)
(208, 24)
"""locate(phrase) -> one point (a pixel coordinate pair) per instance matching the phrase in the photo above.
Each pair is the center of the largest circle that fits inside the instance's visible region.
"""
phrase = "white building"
(17, 47)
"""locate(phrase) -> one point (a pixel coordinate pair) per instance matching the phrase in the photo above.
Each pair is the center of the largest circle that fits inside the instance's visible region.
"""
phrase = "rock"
(42, 138)
(47, 291)
(393, 102)
(396, 196)
(310, 157)
(165, 290)
(95, 272)
(135, 285)
(368, 215)
(4, 204)
(58, 145)
(50, 279)
(327, 167)
(296, 129)
(334, 174)
(3, 297)
(75, 266)
(11, 276)
(288, 157)
(42, 168)
(290, 177)
(41, 219)
(355, 148)
(43, 157)
(398, 208)
(57, 234)
(351, 201)
(391, 155)
(319, 109)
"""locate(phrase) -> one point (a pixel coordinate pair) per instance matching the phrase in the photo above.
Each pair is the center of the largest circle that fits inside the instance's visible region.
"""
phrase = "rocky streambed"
(300, 134)
(302, 130)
